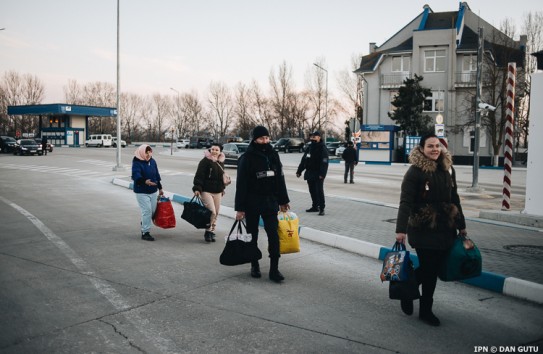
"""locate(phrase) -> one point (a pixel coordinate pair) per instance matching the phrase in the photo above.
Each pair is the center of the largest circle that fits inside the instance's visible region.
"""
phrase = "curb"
(498, 283)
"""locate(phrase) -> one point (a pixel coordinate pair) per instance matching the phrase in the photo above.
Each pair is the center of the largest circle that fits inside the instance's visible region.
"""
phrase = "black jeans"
(349, 167)
(429, 263)
(316, 190)
(270, 226)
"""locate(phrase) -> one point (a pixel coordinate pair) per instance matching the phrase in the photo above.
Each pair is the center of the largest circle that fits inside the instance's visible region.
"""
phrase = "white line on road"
(142, 325)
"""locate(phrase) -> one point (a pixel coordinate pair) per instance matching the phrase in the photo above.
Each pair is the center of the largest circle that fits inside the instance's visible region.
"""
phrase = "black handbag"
(405, 290)
(239, 249)
(196, 213)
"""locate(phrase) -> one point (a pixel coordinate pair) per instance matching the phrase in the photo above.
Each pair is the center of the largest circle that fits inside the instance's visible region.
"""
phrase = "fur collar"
(219, 158)
(417, 158)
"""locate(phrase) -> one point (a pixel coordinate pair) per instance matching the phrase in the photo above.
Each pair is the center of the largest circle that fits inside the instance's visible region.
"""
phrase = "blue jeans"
(147, 203)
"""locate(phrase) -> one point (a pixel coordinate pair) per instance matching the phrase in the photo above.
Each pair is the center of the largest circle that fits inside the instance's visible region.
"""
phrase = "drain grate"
(525, 249)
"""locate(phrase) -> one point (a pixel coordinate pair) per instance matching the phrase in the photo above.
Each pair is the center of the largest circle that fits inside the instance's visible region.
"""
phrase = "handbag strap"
(219, 165)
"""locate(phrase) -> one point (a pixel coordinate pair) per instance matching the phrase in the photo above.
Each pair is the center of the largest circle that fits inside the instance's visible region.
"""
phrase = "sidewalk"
(510, 252)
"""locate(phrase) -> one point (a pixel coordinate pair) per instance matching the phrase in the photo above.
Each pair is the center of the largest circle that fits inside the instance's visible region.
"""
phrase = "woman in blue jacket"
(147, 187)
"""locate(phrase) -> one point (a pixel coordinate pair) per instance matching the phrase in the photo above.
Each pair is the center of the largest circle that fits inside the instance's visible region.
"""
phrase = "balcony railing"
(394, 80)
(466, 79)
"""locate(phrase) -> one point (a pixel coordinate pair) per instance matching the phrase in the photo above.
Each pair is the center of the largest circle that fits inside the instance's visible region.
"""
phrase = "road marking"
(142, 325)
(56, 170)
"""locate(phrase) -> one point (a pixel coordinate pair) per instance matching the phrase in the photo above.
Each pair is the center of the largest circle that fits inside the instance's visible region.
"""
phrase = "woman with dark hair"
(147, 187)
(429, 215)
(209, 185)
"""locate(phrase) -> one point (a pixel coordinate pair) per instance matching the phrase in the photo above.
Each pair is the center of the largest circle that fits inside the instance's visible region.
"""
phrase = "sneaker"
(312, 210)
(147, 237)
(321, 212)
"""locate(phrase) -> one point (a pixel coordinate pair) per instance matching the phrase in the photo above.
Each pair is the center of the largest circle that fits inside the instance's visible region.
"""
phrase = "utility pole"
(475, 183)
(119, 166)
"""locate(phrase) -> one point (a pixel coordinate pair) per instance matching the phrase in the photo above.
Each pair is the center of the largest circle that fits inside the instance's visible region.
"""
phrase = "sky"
(187, 44)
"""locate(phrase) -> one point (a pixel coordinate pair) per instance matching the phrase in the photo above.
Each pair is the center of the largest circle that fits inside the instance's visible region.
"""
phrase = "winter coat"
(209, 175)
(314, 161)
(260, 183)
(430, 211)
(143, 170)
(349, 154)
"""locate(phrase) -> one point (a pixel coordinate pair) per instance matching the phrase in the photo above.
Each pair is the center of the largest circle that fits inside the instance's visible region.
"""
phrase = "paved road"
(76, 278)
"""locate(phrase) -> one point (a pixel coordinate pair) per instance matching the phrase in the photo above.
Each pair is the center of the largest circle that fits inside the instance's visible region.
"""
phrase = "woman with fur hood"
(429, 215)
(209, 185)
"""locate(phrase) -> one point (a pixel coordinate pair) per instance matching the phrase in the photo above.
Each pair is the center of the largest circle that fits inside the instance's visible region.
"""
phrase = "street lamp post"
(326, 99)
(118, 167)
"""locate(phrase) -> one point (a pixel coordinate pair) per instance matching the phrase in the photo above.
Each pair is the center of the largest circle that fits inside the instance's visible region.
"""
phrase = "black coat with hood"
(430, 212)
(209, 175)
(260, 182)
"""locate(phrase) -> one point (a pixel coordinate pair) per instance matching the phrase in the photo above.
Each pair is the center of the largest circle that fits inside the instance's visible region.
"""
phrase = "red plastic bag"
(164, 215)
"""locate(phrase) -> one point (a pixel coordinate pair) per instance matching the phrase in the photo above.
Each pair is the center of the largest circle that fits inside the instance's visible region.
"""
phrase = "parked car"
(332, 147)
(232, 152)
(27, 147)
(198, 142)
(183, 143)
(114, 142)
(340, 150)
(7, 144)
(49, 145)
(290, 145)
(99, 140)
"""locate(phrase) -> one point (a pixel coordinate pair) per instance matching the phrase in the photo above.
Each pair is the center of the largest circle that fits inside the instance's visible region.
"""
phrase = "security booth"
(63, 124)
(377, 144)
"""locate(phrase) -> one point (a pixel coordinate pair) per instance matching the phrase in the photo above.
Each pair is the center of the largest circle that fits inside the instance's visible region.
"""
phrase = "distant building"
(442, 48)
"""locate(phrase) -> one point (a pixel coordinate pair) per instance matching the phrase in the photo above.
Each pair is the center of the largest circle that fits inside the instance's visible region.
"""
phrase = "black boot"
(212, 235)
(275, 274)
(207, 236)
(255, 269)
(312, 209)
(425, 312)
(321, 212)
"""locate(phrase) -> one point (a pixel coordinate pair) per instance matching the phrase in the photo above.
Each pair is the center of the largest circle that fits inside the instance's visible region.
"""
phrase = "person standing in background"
(44, 144)
(147, 187)
(349, 156)
(315, 164)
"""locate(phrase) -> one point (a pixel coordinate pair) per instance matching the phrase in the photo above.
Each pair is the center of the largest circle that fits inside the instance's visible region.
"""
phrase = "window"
(401, 63)
(434, 60)
(469, 62)
(435, 102)
(469, 139)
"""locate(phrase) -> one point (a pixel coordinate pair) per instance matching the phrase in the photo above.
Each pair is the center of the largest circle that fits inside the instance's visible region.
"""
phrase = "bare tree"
(73, 93)
(242, 111)
(221, 108)
(317, 92)
(161, 115)
(261, 110)
(131, 106)
(193, 113)
(282, 87)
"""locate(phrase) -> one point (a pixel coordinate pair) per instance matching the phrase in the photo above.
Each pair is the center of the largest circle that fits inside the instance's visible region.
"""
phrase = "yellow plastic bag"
(289, 239)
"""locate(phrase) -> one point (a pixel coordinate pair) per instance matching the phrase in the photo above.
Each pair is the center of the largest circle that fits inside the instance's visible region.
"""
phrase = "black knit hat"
(259, 131)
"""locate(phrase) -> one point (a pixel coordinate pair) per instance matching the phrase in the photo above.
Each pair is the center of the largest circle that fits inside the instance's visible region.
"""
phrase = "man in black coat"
(260, 193)
(315, 164)
(349, 156)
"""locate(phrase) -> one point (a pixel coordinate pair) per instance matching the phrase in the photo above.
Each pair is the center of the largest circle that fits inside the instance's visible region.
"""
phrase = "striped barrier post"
(508, 146)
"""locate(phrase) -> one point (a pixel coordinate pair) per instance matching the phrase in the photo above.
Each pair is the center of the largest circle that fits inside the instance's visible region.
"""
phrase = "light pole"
(326, 99)
(118, 167)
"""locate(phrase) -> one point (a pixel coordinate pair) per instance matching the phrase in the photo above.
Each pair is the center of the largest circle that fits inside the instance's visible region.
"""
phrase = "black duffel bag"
(196, 213)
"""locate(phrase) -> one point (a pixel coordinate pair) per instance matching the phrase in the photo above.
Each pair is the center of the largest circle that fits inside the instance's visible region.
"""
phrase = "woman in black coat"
(429, 215)
(260, 192)
(209, 185)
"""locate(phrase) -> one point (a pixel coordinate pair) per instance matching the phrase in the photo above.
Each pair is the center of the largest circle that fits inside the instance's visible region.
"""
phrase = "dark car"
(49, 145)
(332, 147)
(289, 145)
(27, 147)
(7, 144)
(232, 152)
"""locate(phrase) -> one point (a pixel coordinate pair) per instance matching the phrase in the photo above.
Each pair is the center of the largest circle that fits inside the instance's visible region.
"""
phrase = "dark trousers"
(270, 226)
(349, 167)
(429, 263)
(316, 190)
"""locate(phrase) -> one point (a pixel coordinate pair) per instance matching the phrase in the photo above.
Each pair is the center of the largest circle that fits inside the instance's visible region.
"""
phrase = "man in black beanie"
(261, 191)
